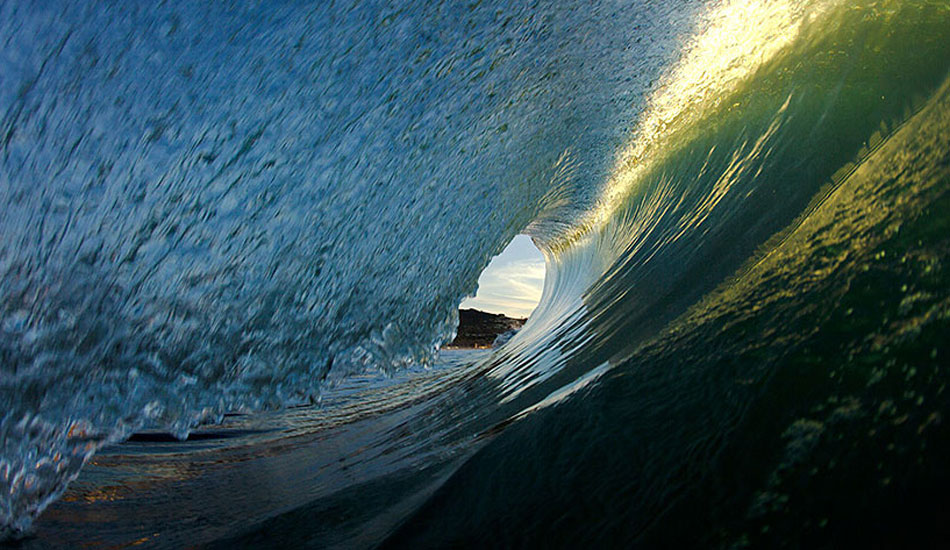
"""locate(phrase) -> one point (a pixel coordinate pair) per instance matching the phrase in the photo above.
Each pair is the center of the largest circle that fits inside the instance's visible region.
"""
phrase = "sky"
(512, 282)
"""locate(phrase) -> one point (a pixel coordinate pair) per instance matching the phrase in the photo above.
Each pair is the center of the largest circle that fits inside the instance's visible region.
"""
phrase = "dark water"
(742, 340)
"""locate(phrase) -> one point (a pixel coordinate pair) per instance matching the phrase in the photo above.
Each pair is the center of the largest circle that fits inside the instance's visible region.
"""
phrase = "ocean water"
(234, 237)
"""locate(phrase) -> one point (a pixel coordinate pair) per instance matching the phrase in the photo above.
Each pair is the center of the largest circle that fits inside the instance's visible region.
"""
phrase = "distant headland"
(478, 329)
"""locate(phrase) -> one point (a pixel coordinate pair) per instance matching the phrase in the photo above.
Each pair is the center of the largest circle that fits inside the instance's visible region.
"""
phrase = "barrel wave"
(234, 238)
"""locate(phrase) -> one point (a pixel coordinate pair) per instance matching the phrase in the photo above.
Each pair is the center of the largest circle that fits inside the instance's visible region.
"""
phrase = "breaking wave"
(211, 210)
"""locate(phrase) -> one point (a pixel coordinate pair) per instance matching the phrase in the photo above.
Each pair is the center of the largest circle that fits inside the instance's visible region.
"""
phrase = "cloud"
(509, 287)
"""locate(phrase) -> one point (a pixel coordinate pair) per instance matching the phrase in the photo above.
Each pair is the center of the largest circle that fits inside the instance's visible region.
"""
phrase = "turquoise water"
(214, 213)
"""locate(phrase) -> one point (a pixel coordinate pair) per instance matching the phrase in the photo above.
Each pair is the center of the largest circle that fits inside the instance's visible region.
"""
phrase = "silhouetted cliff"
(478, 329)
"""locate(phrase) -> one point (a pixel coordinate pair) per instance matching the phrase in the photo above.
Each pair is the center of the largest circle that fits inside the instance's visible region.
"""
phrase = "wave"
(212, 211)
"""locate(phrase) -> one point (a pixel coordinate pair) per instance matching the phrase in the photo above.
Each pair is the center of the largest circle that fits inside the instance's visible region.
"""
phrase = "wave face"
(212, 209)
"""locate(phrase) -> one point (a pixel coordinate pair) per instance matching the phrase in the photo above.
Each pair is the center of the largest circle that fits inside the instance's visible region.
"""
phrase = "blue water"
(253, 224)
